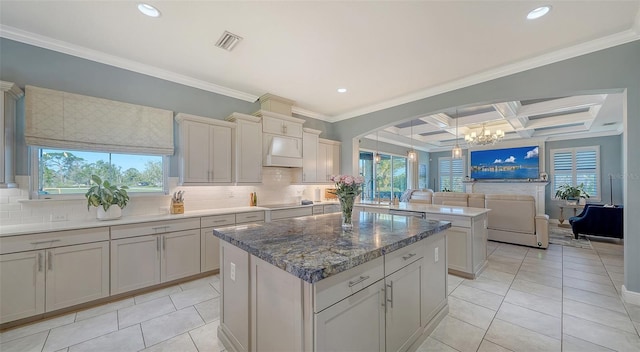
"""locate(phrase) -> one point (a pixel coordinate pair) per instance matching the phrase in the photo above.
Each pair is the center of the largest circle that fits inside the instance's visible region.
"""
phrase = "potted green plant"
(109, 199)
(571, 194)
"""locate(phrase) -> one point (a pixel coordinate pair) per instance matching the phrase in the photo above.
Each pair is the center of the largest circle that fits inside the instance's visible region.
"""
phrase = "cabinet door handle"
(158, 244)
(50, 260)
(157, 228)
(251, 217)
(42, 242)
(164, 243)
(219, 221)
(390, 285)
(40, 262)
(359, 280)
(406, 257)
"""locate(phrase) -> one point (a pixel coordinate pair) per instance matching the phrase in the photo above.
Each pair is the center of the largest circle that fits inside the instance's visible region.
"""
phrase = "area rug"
(564, 237)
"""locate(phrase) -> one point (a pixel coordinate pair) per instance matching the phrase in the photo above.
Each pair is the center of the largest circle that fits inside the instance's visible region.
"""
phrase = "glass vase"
(346, 204)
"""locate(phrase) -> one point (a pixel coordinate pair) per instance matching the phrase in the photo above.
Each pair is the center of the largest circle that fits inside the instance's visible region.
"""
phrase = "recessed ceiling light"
(148, 10)
(539, 12)
(342, 90)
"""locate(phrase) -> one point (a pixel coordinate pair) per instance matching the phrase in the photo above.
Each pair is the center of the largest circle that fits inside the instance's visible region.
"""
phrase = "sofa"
(598, 220)
(474, 200)
(513, 219)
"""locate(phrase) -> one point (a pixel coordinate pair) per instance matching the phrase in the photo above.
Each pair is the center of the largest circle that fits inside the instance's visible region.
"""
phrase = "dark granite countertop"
(315, 247)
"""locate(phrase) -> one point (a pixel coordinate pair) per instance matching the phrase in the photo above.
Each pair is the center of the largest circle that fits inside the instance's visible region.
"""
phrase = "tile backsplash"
(276, 188)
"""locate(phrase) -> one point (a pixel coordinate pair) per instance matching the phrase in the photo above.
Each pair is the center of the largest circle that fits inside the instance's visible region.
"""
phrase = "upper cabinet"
(10, 93)
(248, 148)
(328, 163)
(283, 125)
(204, 150)
(276, 116)
(310, 155)
(321, 158)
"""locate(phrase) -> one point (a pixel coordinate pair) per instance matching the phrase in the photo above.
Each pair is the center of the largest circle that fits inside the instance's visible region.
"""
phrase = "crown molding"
(112, 60)
(524, 65)
(308, 113)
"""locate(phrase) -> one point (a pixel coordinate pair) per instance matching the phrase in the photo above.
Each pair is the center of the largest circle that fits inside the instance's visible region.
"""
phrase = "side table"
(568, 206)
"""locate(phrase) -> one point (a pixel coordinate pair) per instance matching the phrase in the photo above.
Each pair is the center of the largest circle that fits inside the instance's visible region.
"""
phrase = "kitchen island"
(467, 237)
(304, 284)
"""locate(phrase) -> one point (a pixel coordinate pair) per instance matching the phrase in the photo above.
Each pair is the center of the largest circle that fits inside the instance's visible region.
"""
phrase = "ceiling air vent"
(228, 41)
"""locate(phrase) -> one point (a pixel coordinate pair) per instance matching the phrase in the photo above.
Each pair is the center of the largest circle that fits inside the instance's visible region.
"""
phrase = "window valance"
(56, 119)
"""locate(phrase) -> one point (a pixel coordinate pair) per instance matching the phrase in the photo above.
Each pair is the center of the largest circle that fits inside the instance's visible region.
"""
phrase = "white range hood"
(281, 133)
(282, 151)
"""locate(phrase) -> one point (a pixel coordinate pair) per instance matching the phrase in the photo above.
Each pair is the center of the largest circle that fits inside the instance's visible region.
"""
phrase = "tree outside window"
(69, 172)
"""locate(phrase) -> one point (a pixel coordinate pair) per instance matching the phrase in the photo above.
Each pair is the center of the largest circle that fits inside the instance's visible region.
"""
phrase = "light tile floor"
(561, 299)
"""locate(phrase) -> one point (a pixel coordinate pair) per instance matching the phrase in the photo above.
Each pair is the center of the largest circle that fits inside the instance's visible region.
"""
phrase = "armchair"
(597, 220)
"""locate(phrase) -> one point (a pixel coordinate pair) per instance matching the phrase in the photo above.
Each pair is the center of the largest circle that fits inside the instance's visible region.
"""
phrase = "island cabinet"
(467, 237)
(390, 302)
(468, 244)
(204, 150)
(48, 271)
(349, 313)
(147, 254)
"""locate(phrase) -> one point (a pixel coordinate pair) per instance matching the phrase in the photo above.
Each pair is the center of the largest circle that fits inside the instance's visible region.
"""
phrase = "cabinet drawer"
(253, 216)
(318, 209)
(156, 227)
(455, 220)
(13, 244)
(218, 220)
(332, 208)
(402, 257)
(336, 287)
(290, 213)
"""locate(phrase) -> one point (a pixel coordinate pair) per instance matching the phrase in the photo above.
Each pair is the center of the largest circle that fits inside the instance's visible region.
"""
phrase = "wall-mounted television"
(509, 163)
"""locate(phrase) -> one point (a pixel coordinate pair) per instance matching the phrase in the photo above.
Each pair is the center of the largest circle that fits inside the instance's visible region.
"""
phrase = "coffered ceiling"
(383, 52)
(542, 119)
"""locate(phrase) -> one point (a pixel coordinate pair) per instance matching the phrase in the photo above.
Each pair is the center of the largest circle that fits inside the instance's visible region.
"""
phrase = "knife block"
(176, 208)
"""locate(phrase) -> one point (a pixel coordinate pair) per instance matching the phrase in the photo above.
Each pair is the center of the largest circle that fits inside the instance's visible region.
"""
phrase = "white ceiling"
(384, 53)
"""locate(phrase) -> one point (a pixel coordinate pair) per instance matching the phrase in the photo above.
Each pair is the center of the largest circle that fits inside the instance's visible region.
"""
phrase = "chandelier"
(485, 137)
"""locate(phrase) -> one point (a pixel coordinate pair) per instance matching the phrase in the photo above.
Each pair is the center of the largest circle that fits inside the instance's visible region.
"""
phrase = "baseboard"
(630, 296)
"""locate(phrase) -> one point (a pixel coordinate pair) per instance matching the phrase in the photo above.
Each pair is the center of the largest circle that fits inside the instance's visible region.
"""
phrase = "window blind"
(56, 119)
(451, 174)
(575, 166)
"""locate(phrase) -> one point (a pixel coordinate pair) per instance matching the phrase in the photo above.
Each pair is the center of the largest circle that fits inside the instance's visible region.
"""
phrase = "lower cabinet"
(209, 251)
(144, 261)
(21, 285)
(290, 213)
(181, 255)
(76, 274)
(36, 282)
(354, 324)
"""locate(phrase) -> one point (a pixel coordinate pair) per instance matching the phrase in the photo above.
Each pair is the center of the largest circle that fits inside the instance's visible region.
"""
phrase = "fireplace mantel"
(533, 188)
